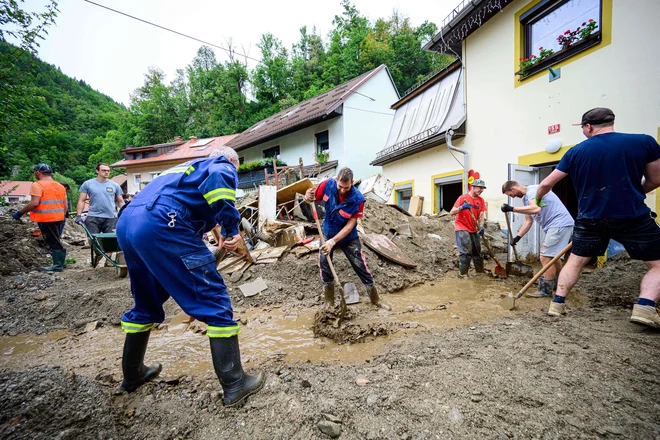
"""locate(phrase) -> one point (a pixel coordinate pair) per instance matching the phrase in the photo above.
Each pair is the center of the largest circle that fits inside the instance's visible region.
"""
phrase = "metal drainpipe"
(448, 136)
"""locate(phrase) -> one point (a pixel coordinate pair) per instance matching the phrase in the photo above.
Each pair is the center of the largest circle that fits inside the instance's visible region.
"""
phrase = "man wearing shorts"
(612, 172)
(556, 222)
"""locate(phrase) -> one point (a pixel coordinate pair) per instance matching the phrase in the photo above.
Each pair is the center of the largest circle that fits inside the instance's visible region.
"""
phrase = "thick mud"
(446, 362)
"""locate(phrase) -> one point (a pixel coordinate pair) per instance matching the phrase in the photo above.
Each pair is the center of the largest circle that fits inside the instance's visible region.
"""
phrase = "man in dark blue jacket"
(160, 233)
(344, 205)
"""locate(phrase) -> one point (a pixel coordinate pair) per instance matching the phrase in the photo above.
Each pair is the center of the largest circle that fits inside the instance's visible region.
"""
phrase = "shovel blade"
(519, 269)
(508, 302)
(500, 271)
(351, 294)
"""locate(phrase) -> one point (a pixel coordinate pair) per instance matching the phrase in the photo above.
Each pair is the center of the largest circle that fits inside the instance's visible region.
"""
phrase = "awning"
(421, 123)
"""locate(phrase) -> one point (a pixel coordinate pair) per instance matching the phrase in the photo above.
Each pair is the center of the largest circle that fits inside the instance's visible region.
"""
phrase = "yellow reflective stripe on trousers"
(131, 327)
(220, 193)
(222, 332)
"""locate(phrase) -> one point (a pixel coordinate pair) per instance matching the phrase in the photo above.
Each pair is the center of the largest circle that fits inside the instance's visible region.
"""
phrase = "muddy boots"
(464, 265)
(645, 315)
(236, 384)
(132, 363)
(479, 264)
(59, 257)
(329, 293)
(373, 294)
(544, 290)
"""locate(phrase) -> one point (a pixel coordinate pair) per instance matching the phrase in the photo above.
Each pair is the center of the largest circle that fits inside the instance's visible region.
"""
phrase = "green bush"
(259, 164)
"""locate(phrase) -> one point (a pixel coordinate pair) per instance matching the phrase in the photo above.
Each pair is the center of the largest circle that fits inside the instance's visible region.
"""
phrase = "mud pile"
(48, 402)
(20, 250)
(431, 247)
(616, 284)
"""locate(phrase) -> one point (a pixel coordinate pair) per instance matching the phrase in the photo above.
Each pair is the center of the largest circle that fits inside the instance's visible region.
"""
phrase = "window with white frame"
(154, 175)
(137, 179)
(272, 152)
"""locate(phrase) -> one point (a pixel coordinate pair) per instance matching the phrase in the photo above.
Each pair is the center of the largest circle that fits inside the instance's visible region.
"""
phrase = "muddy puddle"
(282, 335)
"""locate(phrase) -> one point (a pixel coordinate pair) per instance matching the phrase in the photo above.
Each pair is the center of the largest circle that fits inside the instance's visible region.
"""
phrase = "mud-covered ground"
(591, 374)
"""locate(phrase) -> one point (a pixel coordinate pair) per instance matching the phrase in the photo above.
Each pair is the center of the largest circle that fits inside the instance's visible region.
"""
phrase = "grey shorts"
(555, 240)
(97, 225)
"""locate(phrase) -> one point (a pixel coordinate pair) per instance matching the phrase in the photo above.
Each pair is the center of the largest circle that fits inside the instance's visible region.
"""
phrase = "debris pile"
(22, 248)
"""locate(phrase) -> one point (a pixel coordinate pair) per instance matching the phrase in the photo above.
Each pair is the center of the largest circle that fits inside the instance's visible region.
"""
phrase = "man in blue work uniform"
(612, 173)
(160, 233)
(344, 205)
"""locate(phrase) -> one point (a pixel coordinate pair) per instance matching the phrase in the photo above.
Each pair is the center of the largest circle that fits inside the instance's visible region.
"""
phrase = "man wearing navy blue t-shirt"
(612, 173)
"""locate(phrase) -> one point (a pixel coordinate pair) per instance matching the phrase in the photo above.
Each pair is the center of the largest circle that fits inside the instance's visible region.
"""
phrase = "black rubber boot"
(132, 363)
(236, 384)
(544, 289)
(479, 264)
(329, 293)
(464, 264)
(59, 257)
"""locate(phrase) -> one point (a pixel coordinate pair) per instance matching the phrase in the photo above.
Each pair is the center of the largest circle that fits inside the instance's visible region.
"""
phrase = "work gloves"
(17, 215)
(465, 206)
(79, 220)
(507, 208)
(482, 231)
(327, 247)
(515, 240)
(539, 202)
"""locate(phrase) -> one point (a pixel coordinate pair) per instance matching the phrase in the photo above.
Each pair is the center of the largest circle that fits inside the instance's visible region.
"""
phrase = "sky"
(111, 52)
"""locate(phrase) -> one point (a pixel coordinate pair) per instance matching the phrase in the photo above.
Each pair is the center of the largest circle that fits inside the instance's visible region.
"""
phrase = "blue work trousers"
(166, 257)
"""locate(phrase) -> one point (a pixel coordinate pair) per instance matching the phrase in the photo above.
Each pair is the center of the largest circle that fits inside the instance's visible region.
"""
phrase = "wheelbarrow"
(102, 245)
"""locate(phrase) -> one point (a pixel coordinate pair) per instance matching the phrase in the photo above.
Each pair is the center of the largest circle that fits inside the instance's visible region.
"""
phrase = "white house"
(350, 122)
(511, 117)
(15, 190)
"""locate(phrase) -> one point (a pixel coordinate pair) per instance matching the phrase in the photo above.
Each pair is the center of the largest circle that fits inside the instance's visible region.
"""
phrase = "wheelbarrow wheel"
(122, 271)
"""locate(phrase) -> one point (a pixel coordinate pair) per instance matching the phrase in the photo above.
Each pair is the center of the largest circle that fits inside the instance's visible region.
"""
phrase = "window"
(322, 143)
(137, 156)
(403, 195)
(241, 160)
(272, 152)
(137, 179)
(154, 175)
(554, 30)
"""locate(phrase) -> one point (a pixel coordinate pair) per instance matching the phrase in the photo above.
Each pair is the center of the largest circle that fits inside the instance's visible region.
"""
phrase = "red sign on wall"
(552, 129)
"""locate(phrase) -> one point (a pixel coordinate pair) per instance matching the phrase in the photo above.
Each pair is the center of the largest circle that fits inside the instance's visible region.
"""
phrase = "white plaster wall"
(505, 122)
(301, 143)
(420, 168)
(145, 171)
(367, 124)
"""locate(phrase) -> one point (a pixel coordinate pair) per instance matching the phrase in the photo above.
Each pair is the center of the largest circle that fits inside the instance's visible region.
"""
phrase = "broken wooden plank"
(267, 261)
(267, 203)
(384, 247)
(400, 209)
(416, 204)
(253, 288)
(289, 192)
(269, 253)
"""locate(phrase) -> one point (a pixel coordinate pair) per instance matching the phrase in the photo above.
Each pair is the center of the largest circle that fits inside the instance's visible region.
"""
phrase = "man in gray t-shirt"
(556, 222)
(104, 196)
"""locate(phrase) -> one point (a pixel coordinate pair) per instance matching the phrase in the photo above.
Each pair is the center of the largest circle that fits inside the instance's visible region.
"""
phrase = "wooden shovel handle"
(484, 239)
(508, 227)
(543, 269)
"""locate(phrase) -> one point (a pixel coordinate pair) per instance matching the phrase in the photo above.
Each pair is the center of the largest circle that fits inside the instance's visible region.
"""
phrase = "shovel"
(517, 267)
(499, 269)
(509, 303)
(352, 295)
(342, 300)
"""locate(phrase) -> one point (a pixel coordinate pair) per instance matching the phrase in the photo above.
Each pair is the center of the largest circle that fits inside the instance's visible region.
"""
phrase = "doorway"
(447, 191)
(564, 189)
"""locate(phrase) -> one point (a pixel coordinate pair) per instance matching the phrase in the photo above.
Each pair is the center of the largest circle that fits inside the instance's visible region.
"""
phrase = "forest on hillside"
(46, 116)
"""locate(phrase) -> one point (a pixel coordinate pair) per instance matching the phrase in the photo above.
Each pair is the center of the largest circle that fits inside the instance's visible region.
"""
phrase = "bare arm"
(549, 182)
(33, 203)
(528, 210)
(526, 226)
(651, 179)
(119, 200)
(81, 204)
(455, 211)
(482, 218)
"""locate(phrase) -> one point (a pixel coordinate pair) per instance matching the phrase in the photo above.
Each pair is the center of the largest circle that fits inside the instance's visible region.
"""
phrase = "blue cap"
(43, 168)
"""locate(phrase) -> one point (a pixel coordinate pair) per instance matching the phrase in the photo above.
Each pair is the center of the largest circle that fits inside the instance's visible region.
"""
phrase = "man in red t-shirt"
(468, 208)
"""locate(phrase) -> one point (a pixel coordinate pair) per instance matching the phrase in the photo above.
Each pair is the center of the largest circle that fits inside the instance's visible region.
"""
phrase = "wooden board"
(267, 203)
(251, 289)
(270, 253)
(400, 209)
(384, 247)
(416, 203)
(288, 193)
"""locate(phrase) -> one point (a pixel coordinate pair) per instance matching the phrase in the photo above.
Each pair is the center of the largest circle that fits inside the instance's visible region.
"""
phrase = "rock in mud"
(331, 429)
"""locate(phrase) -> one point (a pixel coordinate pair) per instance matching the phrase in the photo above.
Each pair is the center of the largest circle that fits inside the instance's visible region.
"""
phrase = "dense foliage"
(73, 127)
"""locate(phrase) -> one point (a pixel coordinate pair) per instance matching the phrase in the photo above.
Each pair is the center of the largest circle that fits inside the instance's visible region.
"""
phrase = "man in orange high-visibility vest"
(47, 207)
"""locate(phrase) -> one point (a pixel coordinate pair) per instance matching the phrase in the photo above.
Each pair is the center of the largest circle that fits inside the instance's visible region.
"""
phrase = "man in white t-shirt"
(556, 222)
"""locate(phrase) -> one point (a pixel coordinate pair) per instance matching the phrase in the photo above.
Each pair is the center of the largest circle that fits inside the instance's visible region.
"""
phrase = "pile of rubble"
(22, 248)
